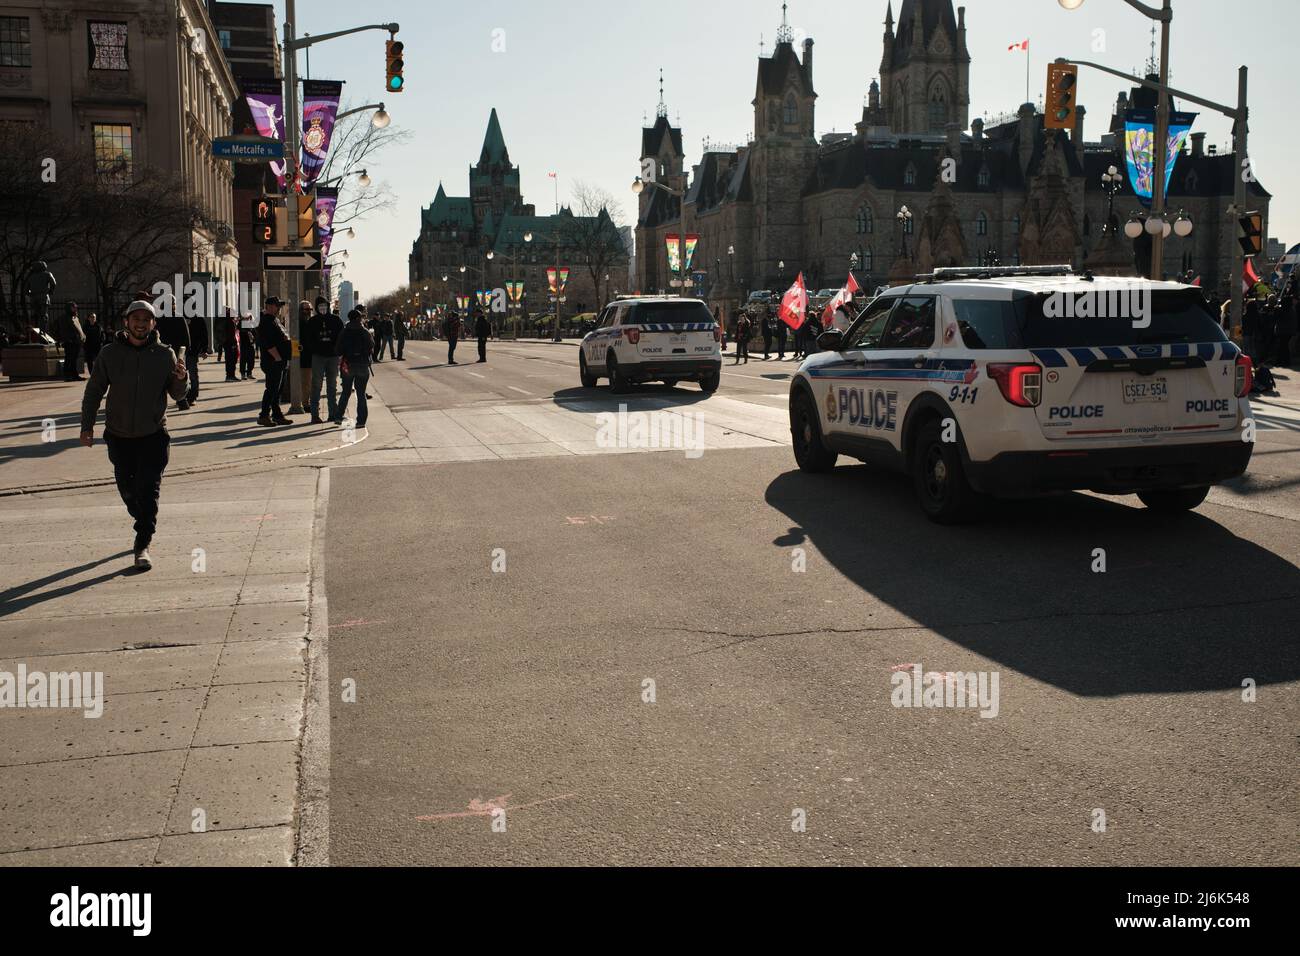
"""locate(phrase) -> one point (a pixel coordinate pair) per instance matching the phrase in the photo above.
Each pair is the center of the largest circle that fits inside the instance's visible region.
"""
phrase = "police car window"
(866, 333)
(911, 325)
(986, 323)
(670, 313)
(606, 318)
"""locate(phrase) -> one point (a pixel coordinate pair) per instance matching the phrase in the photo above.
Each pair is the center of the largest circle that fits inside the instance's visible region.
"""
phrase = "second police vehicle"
(653, 339)
(1014, 382)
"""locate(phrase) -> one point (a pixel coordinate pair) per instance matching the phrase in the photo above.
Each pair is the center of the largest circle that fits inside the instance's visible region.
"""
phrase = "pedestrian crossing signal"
(264, 233)
(395, 82)
(1252, 233)
(1062, 100)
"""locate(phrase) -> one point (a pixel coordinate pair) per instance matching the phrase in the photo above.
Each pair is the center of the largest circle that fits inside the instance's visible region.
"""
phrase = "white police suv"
(653, 339)
(1013, 382)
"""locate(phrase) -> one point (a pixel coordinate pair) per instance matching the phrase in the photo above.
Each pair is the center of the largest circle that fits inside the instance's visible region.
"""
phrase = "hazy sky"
(576, 78)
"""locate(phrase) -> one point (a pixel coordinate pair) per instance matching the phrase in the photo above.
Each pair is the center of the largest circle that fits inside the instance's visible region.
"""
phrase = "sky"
(574, 80)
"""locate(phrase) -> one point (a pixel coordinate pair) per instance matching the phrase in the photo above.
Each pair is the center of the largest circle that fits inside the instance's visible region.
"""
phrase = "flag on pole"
(1022, 45)
(842, 298)
(1249, 277)
(553, 175)
(794, 305)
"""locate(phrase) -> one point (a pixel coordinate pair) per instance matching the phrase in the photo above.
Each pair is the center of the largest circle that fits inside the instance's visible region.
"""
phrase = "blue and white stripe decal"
(899, 370)
(691, 327)
(1083, 357)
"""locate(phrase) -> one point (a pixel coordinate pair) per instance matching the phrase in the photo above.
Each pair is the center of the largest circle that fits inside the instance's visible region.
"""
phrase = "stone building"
(787, 202)
(136, 84)
(461, 231)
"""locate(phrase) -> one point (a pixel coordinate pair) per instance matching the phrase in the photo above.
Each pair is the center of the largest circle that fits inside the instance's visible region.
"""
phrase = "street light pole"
(1160, 148)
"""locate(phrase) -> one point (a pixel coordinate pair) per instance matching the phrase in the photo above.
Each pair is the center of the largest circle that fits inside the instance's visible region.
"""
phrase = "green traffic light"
(395, 83)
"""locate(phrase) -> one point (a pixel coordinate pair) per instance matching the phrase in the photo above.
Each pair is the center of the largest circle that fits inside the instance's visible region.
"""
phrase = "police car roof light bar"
(954, 273)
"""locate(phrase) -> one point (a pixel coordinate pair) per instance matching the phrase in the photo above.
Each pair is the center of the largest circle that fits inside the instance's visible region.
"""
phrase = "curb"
(313, 837)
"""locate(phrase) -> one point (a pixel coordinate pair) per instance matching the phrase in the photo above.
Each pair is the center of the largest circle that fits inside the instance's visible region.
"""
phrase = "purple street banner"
(265, 99)
(320, 106)
(1139, 138)
(327, 200)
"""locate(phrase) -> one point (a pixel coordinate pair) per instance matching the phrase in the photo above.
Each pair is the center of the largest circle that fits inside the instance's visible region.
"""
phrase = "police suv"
(1013, 382)
(653, 339)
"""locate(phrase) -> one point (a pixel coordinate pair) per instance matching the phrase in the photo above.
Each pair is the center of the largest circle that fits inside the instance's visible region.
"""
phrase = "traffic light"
(1062, 95)
(264, 231)
(395, 83)
(306, 222)
(1252, 233)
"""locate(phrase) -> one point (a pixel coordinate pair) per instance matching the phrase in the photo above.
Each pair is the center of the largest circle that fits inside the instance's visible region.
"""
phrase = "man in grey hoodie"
(138, 372)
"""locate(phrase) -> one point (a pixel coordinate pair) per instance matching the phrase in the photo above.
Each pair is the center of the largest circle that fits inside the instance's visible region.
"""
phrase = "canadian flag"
(1022, 45)
(843, 297)
(794, 305)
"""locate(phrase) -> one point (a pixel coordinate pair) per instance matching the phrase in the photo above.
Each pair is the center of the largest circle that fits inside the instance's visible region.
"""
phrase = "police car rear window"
(670, 313)
(1035, 321)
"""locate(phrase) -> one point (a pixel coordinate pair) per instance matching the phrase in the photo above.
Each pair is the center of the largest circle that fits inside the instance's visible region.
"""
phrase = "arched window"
(1015, 225)
(984, 176)
(909, 175)
(868, 260)
(981, 224)
(791, 110)
(938, 111)
(866, 221)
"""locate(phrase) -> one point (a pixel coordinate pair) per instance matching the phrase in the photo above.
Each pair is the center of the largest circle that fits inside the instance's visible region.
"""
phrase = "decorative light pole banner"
(674, 244)
(327, 200)
(320, 105)
(550, 278)
(515, 290)
(462, 302)
(1139, 137)
(265, 99)
(564, 280)
(691, 243)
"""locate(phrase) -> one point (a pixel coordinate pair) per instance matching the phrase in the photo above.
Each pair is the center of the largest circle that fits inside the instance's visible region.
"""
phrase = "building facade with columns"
(1007, 190)
(136, 84)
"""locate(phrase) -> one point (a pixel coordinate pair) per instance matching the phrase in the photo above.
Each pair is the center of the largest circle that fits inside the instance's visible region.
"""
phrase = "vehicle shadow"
(1184, 605)
(639, 398)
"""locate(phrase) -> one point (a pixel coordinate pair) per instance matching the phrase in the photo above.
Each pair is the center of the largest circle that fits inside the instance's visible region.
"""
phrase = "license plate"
(677, 339)
(1141, 390)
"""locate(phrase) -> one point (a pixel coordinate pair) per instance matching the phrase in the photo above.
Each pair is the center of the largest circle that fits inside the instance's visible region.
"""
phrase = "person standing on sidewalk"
(323, 330)
(782, 330)
(355, 350)
(767, 337)
(138, 372)
(743, 331)
(94, 340)
(229, 337)
(247, 346)
(199, 348)
(482, 330)
(72, 336)
(401, 331)
(275, 346)
(451, 332)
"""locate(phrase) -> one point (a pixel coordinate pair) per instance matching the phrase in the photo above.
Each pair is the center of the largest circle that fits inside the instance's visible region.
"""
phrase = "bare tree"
(357, 143)
(592, 233)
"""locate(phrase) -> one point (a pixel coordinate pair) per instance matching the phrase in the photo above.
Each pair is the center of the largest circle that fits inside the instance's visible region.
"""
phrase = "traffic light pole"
(1240, 115)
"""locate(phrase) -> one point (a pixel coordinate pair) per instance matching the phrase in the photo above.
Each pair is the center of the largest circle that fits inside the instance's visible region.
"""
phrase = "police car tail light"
(1245, 375)
(1020, 384)
(717, 333)
(633, 335)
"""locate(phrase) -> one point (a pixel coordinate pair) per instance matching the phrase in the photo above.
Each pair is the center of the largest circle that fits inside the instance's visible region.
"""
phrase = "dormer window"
(981, 224)
(909, 175)
(984, 176)
(866, 221)
(791, 110)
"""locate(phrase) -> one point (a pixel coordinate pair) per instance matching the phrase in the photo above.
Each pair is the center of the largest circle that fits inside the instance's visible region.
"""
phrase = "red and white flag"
(794, 305)
(1022, 45)
(1249, 277)
(841, 298)
(553, 175)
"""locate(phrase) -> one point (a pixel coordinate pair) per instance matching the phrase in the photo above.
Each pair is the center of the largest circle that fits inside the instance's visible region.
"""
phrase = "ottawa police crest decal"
(831, 406)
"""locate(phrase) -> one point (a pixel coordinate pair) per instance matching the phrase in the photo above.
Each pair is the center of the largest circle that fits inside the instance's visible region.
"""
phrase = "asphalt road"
(772, 611)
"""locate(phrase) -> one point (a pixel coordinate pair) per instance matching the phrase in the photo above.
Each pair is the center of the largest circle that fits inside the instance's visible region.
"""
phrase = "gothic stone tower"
(925, 70)
(494, 181)
(784, 154)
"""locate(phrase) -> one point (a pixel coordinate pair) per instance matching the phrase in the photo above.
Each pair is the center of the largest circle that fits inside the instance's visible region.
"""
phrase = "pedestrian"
(199, 348)
(767, 336)
(247, 346)
(782, 330)
(376, 327)
(355, 350)
(811, 329)
(173, 332)
(451, 332)
(743, 330)
(94, 340)
(72, 337)
(275, 346)
(1250, 329)
(402, 330)
(482, 330)
(324, 329)
(229, 337)
(1286, 329)
(388, 337)
(138, 372)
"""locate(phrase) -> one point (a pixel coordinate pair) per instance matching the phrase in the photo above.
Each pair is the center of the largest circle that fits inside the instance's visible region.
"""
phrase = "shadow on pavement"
(1184, 605)
(678, 395)
(13, 600)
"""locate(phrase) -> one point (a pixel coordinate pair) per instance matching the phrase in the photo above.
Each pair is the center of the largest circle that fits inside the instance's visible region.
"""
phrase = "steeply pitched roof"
(494, 143)
(773, 70)
(925, 15)
(450, 211)
(652, 138)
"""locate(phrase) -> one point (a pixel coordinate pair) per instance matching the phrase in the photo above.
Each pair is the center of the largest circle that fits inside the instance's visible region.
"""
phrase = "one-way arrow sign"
(301, 260)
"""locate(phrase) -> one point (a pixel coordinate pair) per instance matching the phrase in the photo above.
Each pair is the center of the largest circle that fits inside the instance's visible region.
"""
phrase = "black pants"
(247, 355)
(767, 346)
(192, 367)
(451, 350)
(138, 466)
(274, 372)
(742, 349)
(780, 346)
(401, 347)
(232, 358)
(482, 348)
(71, 353)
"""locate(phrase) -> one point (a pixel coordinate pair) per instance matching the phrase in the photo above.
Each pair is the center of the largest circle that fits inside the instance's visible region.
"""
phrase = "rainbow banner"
(674, 244)
(564, 280)
(550, 278)
(691, 243)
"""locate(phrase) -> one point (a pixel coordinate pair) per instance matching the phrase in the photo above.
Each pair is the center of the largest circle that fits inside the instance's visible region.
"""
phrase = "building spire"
(889, 17)
(662, 110)
(784, 34)
(1153, 66)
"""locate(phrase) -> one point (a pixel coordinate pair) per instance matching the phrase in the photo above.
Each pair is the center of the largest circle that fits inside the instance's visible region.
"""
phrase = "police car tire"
(1173, 500)
(810, 452)
(588, 380)
(618, 383)
(952, 500)
(710, 382)
(670, 383)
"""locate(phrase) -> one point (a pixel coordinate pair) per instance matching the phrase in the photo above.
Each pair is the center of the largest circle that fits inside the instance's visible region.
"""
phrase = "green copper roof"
(494, 143)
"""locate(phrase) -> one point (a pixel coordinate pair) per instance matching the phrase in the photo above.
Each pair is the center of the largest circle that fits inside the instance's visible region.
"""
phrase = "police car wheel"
(1173, 500)
(810, 453)
(710, 382)
(670, 383)
(584, 373)
(938, 478)
(618, 383)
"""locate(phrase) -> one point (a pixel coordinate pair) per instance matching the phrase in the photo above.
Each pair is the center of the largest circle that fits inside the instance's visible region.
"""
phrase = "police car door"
(597, 342)
(907, 364)
(837, 380)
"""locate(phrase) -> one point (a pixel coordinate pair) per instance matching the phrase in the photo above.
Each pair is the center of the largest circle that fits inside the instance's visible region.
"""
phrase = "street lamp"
(1183, 225)
(365, 179)
(904, 217)
(1110, 184)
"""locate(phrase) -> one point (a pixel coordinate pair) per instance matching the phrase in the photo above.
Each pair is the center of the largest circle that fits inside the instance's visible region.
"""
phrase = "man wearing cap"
(273, 341)
(324, 330)
(138, 372)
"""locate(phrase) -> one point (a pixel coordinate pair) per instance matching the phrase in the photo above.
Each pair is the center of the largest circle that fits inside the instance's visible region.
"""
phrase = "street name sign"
(247, 149)
(298, 260)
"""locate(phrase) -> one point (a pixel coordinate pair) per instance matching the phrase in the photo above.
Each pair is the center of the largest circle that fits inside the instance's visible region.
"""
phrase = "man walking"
(387, 329)
(482, 330)
(324, 330)
(782, 330)
(743, 329)
(400, 328)
(199, 348)
(72, 337)
(94, 340)
(767, 336)
(354, 350)
(138, 372)
(274, 343)
(376, 327)
(451, 332)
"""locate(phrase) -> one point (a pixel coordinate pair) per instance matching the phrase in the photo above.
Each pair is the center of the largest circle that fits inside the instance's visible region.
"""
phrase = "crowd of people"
(759, 323)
